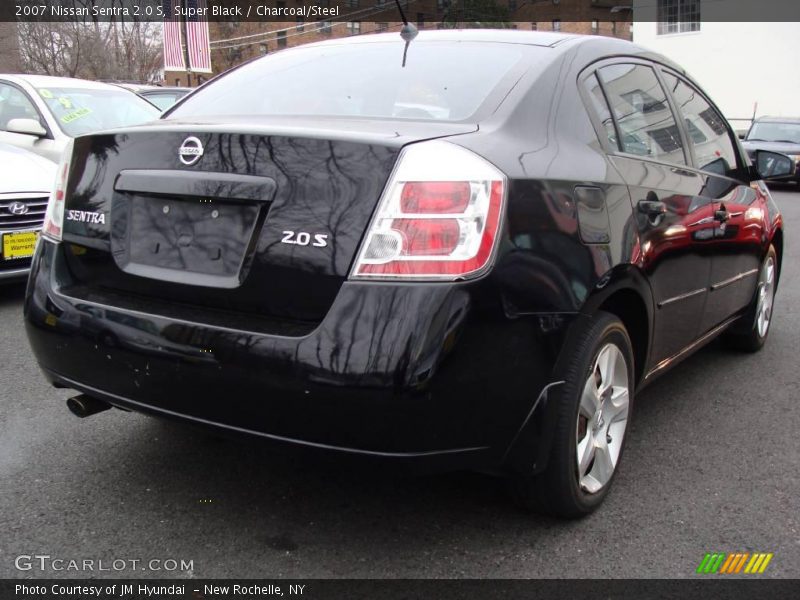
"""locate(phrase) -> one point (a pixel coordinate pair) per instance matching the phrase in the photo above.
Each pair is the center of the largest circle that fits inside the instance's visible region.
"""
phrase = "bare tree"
(119, 48)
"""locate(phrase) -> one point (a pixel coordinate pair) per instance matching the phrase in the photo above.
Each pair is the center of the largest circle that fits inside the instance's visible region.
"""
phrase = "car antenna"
(408, 32)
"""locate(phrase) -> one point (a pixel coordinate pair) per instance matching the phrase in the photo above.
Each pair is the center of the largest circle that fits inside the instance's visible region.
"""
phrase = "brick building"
(235, 42)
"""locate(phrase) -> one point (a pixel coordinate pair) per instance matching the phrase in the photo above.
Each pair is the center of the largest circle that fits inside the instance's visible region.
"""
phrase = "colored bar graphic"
(702, 566)
(764, 564)
(726, 565)
(732, 563)
(741, 562)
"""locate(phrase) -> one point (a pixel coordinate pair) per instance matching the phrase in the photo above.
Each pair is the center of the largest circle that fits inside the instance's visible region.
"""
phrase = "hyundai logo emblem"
(17, 208)
(190, 151)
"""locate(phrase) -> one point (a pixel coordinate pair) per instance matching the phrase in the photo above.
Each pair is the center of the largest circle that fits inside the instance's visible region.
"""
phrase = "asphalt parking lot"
(711, 465)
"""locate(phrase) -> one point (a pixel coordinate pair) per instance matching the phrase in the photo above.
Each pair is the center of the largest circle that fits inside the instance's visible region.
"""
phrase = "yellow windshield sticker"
(45, 93)
(65, 102)
(81, 112)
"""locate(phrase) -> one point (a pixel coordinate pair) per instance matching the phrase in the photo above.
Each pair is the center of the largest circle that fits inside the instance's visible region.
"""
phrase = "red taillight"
(435, 196)
(428, 237)
(438, 239)
(54, 215)
(438, 219)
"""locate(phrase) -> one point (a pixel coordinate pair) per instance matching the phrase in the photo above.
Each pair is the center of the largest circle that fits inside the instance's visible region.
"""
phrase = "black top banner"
(484, 12)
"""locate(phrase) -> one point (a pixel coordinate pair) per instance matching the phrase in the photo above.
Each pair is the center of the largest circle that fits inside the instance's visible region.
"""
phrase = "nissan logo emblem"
(17, 208)
(190, 151)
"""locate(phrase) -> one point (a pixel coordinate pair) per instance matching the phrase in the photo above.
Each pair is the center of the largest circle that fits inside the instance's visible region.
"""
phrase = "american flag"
(197, 39)
(173, 51)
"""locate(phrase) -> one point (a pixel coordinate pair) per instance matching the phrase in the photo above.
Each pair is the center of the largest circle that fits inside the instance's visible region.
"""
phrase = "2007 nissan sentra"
(465, 253)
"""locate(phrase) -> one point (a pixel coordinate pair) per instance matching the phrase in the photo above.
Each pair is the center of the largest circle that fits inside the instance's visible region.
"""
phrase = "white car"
(25, 184)
(41, 113)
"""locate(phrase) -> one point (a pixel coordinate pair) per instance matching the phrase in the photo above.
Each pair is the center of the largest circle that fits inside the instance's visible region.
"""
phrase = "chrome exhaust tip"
(85, 406)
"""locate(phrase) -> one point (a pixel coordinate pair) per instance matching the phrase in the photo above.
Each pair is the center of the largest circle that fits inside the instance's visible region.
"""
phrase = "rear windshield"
(440, 82)
(164, 100)
(775, 132)
(85, 110)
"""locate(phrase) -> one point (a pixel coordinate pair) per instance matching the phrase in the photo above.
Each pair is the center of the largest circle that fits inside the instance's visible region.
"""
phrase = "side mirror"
(26, 127)
(773, 165)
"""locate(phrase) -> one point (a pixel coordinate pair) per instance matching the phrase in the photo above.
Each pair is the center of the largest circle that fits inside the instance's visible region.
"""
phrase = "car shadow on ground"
(12, 293)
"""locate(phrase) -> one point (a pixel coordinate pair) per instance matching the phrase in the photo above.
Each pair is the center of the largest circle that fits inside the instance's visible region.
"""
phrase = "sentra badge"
(85, 216)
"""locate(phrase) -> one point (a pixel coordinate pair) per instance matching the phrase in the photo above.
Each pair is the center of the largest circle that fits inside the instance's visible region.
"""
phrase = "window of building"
(646, 125)
(420, 20)
(613, 28)
(325, 27)
(442, 4)
(534, 26)
(352, 3)
(381, 27)
(301, 24)
(281, 39)
(710, 138)
(512, 5)
(556, 24)
(353, 27)
(678, 16)
(177, 82)
(595, 27)
(263, 48)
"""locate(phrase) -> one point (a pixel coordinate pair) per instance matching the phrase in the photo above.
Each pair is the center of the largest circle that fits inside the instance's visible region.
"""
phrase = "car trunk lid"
(262, 218)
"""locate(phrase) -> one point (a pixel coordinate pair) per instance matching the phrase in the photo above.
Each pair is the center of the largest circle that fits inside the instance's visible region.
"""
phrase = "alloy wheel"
(602, 419)
(766, 296)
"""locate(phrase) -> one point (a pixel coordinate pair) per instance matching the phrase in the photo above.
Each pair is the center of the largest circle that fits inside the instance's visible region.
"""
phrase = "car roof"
(44, 81)
(165, 89)
(777, 120)
(611, 46)
(504, 36)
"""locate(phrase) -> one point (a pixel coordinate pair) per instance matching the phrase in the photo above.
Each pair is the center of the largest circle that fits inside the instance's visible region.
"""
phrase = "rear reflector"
(438, 218)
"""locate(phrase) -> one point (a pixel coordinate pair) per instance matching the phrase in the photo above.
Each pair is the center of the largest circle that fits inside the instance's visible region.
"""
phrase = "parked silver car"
(40, 113)
(25, 184)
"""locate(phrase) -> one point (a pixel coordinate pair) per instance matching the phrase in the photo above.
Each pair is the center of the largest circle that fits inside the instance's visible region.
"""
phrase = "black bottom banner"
(400, 589)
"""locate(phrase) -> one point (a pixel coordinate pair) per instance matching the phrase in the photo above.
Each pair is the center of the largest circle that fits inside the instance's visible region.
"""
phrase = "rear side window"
(601, 108)
(708, 132)
(646, 124)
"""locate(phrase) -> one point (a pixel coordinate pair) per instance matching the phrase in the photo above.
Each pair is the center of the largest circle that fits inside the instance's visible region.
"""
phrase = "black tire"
(556, 491)
(745, 335)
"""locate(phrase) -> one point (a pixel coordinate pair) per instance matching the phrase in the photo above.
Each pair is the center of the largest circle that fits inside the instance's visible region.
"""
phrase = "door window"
(709, 135)
(14, 104)
(646, 124)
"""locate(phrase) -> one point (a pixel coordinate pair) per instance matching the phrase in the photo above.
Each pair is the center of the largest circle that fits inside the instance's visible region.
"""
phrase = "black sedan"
(466, 251)
(776, 134)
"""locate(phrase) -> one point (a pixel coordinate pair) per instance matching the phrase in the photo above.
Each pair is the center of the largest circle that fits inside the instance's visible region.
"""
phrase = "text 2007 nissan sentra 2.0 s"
(470, 260)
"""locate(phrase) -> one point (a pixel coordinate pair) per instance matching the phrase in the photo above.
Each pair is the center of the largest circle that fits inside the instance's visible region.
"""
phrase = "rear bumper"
(410, 372)
(15, 274)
